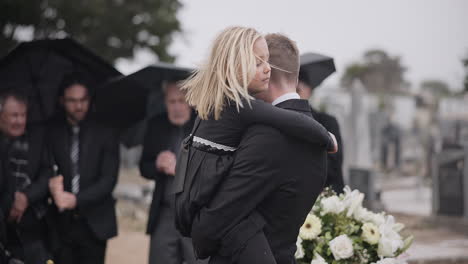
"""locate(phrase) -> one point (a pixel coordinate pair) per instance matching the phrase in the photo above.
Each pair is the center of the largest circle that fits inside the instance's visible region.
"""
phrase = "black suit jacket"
(6, 190)
(275, 175)
(157, 140)
(98, 165)
(335, 160)
(38, 169)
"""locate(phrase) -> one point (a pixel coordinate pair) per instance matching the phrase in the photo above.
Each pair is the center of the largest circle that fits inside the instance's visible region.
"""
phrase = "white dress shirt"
(285, 97)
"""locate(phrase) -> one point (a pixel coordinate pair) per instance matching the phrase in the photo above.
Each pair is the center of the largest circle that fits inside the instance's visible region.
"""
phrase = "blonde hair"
(226, 75)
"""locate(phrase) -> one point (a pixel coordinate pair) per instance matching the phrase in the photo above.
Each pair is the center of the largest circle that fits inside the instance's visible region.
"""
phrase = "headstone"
(377, 121)
(450, 182)
(359, 144)
(365, 181)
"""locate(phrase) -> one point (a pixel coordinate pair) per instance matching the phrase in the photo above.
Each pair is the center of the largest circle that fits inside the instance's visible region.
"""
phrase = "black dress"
(213, 148)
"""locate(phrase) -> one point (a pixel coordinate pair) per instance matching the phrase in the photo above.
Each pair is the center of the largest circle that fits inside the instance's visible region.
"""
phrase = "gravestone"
(450, 182)
(365, 181)
(377, 121)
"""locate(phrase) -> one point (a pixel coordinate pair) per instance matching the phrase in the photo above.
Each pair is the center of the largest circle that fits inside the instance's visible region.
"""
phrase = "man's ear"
(61, 100)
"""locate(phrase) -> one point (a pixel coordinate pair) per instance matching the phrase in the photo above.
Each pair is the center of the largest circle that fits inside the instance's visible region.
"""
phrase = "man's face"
(304, 90)
(76, 102)
(177, 108)
(13, 117)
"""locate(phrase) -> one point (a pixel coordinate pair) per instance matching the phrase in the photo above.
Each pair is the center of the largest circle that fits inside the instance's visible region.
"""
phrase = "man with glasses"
(86, 155)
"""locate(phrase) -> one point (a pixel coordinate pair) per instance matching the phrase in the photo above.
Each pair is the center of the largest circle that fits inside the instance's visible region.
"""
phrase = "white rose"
(311, 228)
(370, 233)
(318, 259)
(386, 261)
(391, 261)
(341, 247)
(390, 241)
(299, 249)
(332, 204)
(363, 215)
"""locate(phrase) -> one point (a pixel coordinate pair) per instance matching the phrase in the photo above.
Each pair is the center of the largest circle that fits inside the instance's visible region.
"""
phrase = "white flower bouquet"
(339, 230)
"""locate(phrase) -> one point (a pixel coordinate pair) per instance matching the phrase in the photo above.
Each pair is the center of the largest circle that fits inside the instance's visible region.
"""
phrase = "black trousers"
(257, 250)
(79, 244)
(167, 245)
(27, 240)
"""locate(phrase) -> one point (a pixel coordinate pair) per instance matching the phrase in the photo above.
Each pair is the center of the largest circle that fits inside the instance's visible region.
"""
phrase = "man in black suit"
(273, 184)
(87, 157)
(6, 197)
(6, 187)
(26, 173)
(334, 160)
(162, 142)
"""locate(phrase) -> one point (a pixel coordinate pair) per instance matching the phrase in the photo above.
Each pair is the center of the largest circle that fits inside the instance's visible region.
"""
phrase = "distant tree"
(378, 72)
(435, 87)
(112, 28)
(353, 72)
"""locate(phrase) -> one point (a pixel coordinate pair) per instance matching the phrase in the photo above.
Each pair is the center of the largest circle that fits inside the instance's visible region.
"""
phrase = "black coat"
(38, 170)
(157, 140)
(277, 176)
(98, 165)
(334, 161)
(6, 190)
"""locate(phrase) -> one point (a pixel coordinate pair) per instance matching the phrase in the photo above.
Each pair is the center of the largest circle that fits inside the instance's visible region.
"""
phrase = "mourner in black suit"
(272, 185)
(26, 173)
(334, 160)
(6, 197)
(162, 142)
(87, 157)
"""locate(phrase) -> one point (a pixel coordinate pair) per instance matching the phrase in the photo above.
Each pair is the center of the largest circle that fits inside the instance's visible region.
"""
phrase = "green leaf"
(407, 243)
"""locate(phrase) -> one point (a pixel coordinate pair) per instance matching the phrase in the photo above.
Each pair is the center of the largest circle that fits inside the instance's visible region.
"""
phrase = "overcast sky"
(431, 36)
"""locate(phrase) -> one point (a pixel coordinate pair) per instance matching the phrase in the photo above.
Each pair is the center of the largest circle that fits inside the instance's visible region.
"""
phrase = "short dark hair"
(74, 78)
(15, 94)
(284, 54)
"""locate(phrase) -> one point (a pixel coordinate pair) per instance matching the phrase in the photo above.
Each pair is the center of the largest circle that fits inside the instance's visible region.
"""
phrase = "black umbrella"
(128, 101)
(36, 68)
(315, 68)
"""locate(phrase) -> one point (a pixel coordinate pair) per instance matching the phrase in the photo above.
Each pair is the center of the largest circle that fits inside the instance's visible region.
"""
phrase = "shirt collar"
(285, 97)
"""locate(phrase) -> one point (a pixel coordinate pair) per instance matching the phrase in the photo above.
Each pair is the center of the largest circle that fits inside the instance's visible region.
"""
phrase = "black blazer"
(334, 161)
(38, 169)
(156, 140)
(279, 177)
(99, 166)
(6, 190)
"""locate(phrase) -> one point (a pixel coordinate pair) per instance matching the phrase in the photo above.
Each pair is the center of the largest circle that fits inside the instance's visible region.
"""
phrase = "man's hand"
(166, 162)
(19, 207)
(56, 185)
(65, 200)
(335, 143)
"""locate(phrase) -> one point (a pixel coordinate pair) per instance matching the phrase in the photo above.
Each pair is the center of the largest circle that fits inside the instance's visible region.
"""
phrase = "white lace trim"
(213, 144)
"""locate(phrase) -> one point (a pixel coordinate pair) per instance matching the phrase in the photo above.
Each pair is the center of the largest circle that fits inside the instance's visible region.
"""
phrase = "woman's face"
(263, 70)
